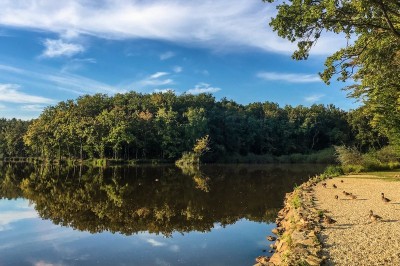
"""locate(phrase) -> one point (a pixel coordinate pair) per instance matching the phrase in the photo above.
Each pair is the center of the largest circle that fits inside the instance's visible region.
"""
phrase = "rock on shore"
(298, 229)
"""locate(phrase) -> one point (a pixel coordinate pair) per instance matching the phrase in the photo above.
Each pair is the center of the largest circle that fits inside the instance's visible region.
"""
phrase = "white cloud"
(33, 107)
(203, 88)
(167, 55)
(218, 25)
(57, 48)
(77, 64)
(9, 217)
(158, 75)
(156, 79)
(10, 93)
(177, 69)
(175, 248)
(203, 72)
(289, 77)
(11, 69)
(314, 98)
(48, 78)
(45, 263)
(85, 60)
(155, 243)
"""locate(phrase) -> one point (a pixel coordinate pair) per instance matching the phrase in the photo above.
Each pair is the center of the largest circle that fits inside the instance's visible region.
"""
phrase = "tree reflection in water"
(157, 199)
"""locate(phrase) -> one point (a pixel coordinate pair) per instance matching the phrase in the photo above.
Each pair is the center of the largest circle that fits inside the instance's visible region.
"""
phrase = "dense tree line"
(163, 125)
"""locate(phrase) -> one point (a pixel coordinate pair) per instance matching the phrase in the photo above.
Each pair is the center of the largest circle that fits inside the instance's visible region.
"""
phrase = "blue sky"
(52, 51)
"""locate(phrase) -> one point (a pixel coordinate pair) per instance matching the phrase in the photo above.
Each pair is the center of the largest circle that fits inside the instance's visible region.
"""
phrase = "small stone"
(275, 231)
(262, 259)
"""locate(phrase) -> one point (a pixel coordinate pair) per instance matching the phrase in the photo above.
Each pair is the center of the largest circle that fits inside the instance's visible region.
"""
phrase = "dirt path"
(354, 239)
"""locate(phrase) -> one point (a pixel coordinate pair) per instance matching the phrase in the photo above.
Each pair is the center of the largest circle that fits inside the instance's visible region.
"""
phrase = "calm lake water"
(154, 215)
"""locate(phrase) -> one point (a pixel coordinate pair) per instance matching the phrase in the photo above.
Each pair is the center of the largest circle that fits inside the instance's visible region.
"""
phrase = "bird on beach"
(346, 193)
(341, 181)
(324, 185)
(329, 220)
(336, 197)
(334, 186)
(374, 217)
(385, 199)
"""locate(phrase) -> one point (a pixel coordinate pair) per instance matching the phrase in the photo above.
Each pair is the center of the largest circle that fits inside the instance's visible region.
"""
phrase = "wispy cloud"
(11, 69)
(289, 77)
(11, 93)
(314, 98)
(203, 88)
(77, 64)
(45, 263)
(33, 107)
(158, 75)
(4, 33)
(9, 217)
(177, 69)
(203, 72)
(175, 248)
(42, 77)
(57, 48)
(167, 55)
(217, 25)
(156, 79)
(155, 243)
(85, 60)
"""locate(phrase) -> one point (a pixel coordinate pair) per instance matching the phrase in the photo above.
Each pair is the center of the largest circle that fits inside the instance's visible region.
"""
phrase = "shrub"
(333, 170)
(348, 155)
(188, 158)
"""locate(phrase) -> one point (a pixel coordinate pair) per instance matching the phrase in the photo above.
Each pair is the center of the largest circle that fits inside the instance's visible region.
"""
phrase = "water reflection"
(144, 200)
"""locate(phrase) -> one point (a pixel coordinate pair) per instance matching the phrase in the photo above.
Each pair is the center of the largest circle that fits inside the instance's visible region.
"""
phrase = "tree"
(372, 59)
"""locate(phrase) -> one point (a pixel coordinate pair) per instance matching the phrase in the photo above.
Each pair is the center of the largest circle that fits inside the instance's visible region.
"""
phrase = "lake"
(141, 215)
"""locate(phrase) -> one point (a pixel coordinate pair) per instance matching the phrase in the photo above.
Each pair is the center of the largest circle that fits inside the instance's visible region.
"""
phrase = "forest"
(164, 125)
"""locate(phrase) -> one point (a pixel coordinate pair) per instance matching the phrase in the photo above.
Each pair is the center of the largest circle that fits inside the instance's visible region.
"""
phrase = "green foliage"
(333, 170)
(164, 125)
(202, 145)
(348, 155)
(354, 161)
(371, 58)
(296, 201)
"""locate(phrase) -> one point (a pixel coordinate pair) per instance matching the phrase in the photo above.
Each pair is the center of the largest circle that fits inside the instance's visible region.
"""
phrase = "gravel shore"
(355, 239)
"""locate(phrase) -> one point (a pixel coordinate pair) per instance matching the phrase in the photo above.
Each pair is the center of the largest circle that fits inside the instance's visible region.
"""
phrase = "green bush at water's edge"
(353, 161)
(322, 156)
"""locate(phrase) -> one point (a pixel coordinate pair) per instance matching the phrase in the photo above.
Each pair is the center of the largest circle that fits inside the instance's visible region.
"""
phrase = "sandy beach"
(355, 239)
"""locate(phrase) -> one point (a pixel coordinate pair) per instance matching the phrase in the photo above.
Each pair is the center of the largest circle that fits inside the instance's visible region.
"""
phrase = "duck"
(334, 186)
(374, 217)
(329, 220)
(346, 193)
(385, 199)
